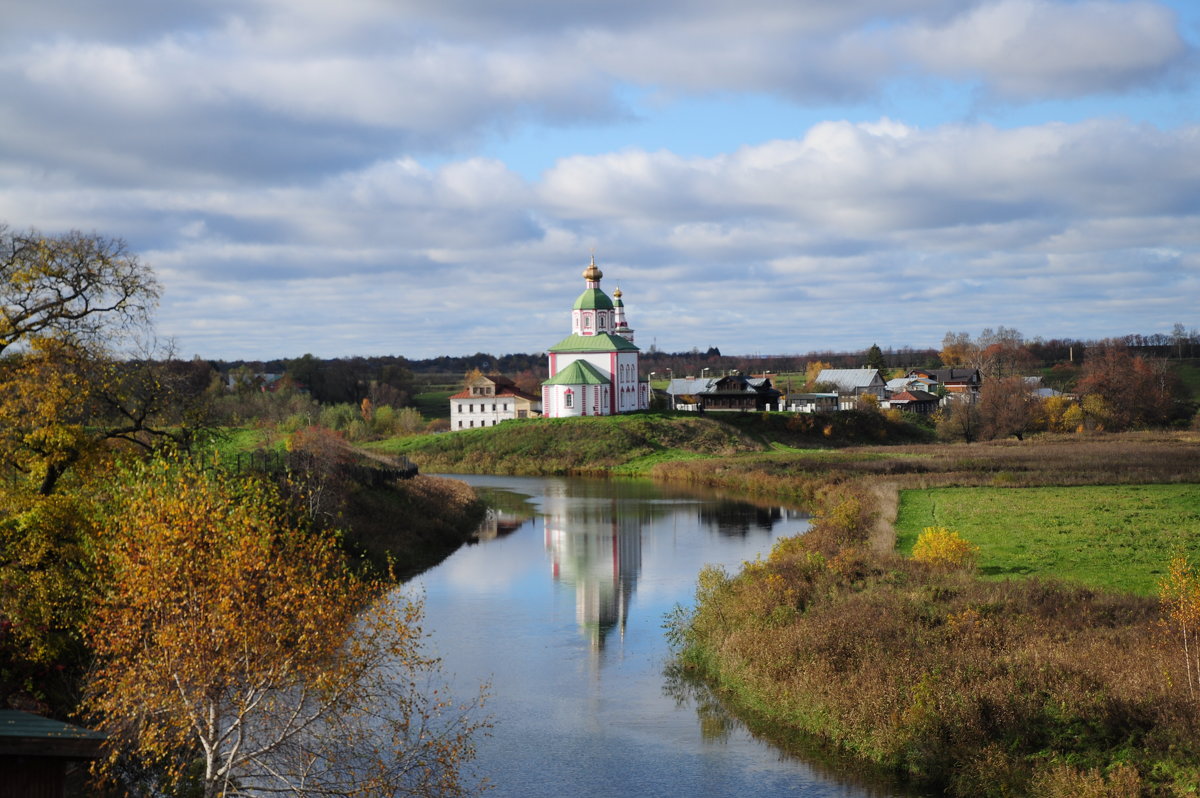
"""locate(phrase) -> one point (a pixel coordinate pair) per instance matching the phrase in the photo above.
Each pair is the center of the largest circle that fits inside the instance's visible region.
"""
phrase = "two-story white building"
(488, 400)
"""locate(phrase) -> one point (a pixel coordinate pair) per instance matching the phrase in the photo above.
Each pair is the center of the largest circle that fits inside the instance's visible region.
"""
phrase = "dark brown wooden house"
(43, 758)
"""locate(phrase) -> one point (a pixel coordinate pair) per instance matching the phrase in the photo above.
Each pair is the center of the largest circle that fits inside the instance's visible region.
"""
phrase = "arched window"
(568, 399)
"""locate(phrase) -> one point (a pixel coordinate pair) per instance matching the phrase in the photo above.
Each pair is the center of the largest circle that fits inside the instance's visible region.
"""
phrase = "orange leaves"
(944, 548)
(228, 619)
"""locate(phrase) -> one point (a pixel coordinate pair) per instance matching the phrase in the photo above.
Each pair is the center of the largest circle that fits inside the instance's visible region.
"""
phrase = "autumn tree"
(237, 655)
(71, 309)
(1179, 598)
(1136, 391)
(72, 286)
(812, 371)
(959, 421)
(957, 349)
(997, 353)
(1007, 407)
(63, 401)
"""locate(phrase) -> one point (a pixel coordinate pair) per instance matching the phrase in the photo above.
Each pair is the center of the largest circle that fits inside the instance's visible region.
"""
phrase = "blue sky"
(418, 178)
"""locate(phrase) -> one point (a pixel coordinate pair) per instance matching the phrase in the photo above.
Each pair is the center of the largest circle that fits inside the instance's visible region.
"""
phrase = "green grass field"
(1113, 536)
(433, 404)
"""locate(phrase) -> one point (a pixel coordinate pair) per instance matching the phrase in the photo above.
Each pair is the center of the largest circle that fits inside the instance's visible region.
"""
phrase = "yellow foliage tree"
(1179, 598)
(236, 654)
(944, 548)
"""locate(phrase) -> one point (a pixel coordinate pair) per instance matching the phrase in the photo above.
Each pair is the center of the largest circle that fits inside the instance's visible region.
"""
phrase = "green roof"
(580, 372)
(25, 734)
(593, 299)
(601, 342)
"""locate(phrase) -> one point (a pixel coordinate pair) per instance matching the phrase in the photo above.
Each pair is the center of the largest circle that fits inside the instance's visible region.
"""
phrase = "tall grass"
(978, 688)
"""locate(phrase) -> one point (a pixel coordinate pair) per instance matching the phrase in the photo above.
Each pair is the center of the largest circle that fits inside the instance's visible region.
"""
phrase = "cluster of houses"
(594, 372)
(919, 391)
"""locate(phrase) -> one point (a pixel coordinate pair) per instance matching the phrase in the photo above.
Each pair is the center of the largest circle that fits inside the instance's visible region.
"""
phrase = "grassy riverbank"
(1119, 537)
(978, 687)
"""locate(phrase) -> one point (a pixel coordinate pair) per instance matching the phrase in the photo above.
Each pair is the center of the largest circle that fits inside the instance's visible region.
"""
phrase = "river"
(561, 606)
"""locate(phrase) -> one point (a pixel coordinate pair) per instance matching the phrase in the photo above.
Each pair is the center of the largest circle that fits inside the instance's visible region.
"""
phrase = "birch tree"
(238, 655)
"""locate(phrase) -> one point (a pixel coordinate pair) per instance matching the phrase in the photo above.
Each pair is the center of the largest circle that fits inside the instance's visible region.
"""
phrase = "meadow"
(1119, 537)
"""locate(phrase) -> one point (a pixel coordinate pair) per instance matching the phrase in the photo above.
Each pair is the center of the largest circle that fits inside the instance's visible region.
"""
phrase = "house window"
(460, 407)
(568, 399)
(472, 423)
(493, 407)
(460, 423)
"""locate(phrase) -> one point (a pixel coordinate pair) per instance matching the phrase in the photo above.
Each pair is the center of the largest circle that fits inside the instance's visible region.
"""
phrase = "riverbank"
(1014, 687)
(410, 525)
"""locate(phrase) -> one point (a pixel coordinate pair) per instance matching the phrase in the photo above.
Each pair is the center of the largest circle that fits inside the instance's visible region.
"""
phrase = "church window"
(587, 321)
(568, 399)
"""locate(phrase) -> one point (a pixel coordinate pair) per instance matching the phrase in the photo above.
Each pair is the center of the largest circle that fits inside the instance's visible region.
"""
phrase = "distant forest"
(346, 379)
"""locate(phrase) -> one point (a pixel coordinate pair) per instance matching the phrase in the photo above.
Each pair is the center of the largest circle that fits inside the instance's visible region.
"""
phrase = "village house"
(731, 392)
(853, 383)
(594, 371)
(810, 402)
(488, 400)
(958, 380)
(914, 401)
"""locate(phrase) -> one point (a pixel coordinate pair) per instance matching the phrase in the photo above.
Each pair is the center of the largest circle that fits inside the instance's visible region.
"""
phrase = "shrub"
(944, 548)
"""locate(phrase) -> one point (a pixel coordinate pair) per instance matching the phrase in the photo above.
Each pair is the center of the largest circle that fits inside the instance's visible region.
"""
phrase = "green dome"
(593, 299)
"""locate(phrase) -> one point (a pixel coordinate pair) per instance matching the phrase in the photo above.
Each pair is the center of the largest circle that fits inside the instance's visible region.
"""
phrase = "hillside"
(633, 443)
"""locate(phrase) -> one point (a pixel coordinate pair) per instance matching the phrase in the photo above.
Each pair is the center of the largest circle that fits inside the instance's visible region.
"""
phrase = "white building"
(486, 401)
(594, 370)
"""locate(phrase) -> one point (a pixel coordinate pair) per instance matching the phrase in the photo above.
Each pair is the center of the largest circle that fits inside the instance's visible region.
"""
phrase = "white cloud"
(1023, 49)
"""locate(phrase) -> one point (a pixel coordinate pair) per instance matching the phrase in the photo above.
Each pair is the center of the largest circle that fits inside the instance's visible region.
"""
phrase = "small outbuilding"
(44, 758)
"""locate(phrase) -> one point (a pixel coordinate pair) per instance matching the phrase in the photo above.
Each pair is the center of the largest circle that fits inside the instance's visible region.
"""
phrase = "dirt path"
(886, 496)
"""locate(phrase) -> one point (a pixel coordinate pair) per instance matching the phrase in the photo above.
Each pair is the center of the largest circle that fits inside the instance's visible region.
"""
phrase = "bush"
(944, 548)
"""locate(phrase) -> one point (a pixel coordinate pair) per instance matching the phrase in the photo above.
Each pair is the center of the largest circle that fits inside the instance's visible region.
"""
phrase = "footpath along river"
(561, 607)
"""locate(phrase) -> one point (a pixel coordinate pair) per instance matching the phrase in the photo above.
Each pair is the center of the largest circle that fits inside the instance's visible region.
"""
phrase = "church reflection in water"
(594, 534)
(599, 551)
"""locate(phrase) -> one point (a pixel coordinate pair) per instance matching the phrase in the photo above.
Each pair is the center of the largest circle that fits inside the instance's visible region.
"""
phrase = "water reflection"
(560, 607)
(738, 519)
(600, 553)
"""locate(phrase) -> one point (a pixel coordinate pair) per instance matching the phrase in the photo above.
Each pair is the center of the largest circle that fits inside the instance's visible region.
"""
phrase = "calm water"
(561, 608)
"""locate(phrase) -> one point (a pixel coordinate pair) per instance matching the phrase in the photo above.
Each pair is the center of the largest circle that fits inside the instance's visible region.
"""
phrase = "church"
(594, 370)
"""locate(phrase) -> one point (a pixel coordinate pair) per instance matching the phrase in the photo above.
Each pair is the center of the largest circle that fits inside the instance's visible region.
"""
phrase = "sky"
(427, 177)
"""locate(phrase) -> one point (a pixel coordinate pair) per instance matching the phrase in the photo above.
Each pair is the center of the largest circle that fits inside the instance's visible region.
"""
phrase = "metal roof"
(600, 342)
(851, 378)
(26, 734)
(593, 299)
(579, 372)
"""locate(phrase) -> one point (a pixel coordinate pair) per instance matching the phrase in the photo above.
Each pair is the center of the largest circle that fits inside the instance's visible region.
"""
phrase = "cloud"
(843, 229)
(1033, 49)
(311, 176)
(263, 90)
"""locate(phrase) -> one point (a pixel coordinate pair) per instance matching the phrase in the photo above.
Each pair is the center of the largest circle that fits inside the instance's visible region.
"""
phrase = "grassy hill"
(633, 443)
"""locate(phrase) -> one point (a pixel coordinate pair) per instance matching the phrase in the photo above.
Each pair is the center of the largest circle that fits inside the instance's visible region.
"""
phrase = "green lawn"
(433, 404)
(1115, 536)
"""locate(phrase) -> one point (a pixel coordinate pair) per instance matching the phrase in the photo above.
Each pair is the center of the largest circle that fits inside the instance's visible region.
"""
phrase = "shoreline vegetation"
(929, 673)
